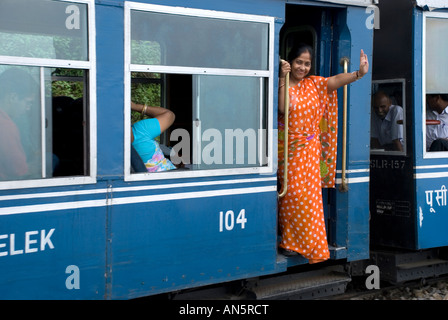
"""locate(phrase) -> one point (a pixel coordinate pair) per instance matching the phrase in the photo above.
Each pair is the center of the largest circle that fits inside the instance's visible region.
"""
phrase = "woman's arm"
(165, 116)
(284, 69)
(339, 80)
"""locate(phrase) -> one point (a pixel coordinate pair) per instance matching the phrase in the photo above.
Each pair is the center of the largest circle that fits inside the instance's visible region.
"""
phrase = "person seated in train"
(437, 135)
(386, 124)
(17, 92)
(145, 131)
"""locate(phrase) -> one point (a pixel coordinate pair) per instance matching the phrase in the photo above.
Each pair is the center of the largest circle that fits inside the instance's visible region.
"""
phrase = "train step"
(302, 286)
(284, 262)
(397, 267)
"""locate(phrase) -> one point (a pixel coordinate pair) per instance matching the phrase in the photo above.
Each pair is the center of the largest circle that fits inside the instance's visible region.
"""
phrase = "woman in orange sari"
(312, 142)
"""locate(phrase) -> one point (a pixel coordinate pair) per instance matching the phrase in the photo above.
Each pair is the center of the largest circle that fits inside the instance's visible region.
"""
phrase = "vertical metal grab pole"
(343, 187)
(285, 148)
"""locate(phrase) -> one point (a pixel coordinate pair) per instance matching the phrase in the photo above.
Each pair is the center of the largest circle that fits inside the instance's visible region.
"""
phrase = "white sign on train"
(440, 196)
(33, 241)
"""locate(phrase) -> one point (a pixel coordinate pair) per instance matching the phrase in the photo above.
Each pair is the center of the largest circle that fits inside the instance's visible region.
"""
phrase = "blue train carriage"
(78, 219)
(408, 185)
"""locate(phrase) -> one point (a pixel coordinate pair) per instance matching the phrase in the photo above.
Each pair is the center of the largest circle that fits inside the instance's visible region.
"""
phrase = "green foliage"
(146, 93)
(145, 90)
(67, 88)
(70, 88)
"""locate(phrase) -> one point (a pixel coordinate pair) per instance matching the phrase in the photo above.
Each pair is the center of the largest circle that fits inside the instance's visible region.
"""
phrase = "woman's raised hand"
(363, 64)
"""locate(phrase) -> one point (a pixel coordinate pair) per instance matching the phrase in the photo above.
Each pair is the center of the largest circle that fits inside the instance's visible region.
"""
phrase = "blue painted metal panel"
(359, 100)
(169, 245)
(110, 89)
(352, 207)
(432, 215)
(37, 248)
(359, 137)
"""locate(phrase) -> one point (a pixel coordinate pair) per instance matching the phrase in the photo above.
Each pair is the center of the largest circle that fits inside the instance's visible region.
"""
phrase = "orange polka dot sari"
(312, 143)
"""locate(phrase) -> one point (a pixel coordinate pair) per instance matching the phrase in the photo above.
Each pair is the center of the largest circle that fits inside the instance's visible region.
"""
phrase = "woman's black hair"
(298, 49)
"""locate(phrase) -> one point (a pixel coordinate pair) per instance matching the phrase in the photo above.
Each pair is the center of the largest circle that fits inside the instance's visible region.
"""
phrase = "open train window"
(435, 85)
(388, 120)
(46, 88)
(214, 71)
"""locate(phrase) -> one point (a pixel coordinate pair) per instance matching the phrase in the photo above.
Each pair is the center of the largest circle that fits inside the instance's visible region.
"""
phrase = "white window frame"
(89, 65)
(269, 74)
(428, 154)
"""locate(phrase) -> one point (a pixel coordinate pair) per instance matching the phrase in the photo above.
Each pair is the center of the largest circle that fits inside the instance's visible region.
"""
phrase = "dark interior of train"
(69, 119)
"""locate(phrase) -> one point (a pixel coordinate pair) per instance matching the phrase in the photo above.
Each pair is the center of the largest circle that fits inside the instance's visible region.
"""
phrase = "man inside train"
(386, 124)
(437, 135)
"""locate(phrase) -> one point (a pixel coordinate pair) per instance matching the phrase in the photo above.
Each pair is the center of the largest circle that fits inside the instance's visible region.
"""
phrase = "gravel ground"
(430, 291)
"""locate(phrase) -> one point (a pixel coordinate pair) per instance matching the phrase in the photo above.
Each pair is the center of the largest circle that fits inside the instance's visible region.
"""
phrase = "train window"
(43, 29)
(229, 44)
(46, 85)
(388, 120)
(231, 118)
(435, 91)
(214, 71)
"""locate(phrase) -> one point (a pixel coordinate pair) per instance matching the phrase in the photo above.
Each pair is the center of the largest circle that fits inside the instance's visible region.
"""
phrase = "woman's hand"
(342, 79)
(285, 67)
(363, 64)
(166, 117)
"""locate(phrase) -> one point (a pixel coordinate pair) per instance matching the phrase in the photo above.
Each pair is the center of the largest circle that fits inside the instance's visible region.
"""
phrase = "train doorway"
(322, 28)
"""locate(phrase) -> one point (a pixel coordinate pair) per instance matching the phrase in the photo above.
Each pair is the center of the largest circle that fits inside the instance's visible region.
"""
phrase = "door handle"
(285, 148)
(343, 187)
